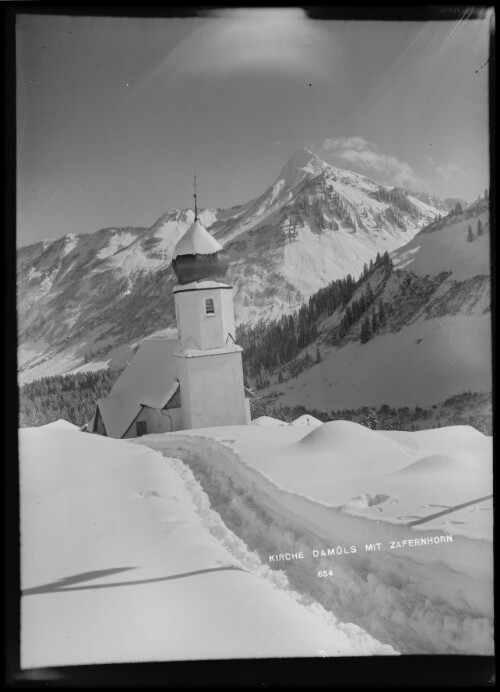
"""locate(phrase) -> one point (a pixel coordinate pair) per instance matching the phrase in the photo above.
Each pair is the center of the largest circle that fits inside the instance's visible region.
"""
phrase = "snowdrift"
(267, 420)
(344, 446)
(122, 559)
(395, 528)
(434, 463)
(60, 423)
(306, 419)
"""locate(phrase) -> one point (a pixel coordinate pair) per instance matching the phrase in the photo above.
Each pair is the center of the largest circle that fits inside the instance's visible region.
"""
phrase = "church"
(196, 380)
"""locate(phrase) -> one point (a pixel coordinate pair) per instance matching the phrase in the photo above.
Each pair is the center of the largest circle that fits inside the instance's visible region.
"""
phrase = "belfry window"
(209, 306)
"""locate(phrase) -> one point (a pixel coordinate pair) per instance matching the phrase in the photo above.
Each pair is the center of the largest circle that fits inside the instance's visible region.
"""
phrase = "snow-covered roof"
(230, 347)
(149, 380)
(118, 413)
(196, 241)
(199, 284)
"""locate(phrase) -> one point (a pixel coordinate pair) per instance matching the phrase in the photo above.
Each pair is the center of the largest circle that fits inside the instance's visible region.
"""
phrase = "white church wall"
(156, 421)
(229, 326)
(172, 417)
(188, 324)
(212, 390)
(247, 410)
(206, 330)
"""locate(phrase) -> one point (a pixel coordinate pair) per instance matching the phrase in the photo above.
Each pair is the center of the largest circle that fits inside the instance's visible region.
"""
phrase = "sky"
(115, 115)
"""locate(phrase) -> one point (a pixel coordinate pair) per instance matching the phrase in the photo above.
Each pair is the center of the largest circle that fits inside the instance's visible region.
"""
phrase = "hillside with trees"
(467, 408)
(269, 345)
(437, 295)
(70, 397)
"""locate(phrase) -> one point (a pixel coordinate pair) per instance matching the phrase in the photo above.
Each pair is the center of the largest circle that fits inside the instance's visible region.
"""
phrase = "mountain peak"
(302, 159)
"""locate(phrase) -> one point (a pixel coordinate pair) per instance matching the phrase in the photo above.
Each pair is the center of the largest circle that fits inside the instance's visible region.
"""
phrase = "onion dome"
(199, 256)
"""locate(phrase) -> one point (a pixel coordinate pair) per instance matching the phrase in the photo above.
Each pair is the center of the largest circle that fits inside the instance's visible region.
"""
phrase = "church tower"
(208, 360)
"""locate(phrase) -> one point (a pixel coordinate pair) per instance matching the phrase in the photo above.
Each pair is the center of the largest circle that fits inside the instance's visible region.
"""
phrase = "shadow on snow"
(60, 586)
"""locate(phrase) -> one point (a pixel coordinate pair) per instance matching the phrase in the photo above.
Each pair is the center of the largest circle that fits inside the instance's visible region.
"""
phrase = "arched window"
(209, 306)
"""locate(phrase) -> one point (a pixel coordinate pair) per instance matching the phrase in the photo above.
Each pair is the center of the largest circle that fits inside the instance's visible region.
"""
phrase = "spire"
(195, 201)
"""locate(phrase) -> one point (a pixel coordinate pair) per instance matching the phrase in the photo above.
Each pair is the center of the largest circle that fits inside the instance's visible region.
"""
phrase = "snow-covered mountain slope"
(395, 528)
(436, 342)
(86, 300)
(443, 246)
(123, 560)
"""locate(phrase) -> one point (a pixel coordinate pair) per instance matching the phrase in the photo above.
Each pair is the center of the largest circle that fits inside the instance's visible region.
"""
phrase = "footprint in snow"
(148, 493)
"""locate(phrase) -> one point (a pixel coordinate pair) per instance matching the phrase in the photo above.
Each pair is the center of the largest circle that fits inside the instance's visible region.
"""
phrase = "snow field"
(448, 249)
(427, 599)
(122, 560)
(424, 363)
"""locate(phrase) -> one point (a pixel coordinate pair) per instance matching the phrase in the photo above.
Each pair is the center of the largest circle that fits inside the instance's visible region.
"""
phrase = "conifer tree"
(480, 424)
(374, 322)
(349, 317)
(382, 319)
(370, 420)
(266, 378)
(369, 295)
(394, 422)
(479, 227)
(365, 331)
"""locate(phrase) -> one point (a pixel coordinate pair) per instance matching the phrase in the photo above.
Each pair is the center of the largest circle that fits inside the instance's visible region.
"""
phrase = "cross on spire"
(195, 201)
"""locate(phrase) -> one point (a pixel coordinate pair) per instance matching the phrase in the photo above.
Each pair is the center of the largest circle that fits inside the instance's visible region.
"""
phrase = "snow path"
(431, 599)
(249, 560)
